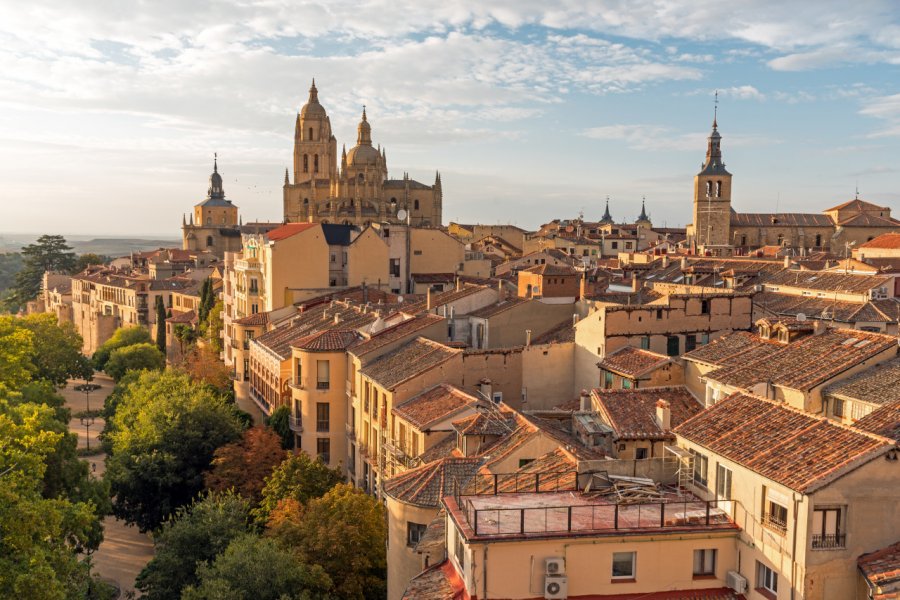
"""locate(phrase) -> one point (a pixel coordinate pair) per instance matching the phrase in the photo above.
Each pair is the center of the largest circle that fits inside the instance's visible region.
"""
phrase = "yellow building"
(213, 225)
(358, 191)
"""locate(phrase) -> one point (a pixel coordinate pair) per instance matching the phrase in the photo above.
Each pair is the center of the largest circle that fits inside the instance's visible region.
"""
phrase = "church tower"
(315, 148)
(712, 200)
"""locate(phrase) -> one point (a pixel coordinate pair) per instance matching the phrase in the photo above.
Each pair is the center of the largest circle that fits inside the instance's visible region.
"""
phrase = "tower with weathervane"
(710, 230)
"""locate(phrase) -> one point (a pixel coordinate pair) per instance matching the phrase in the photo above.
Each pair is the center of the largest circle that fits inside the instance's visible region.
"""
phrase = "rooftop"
(874, 311)
(828, 281)
(288, 230)
(425, 486)
(782, 219)
(438, 582)
(801, 451)
(882, 571)
(498, 307)
(632, 413)
(633, 362)
(887, 241)
(411, 359)
(254, 319)
(876, 385)
(333, 340)
(883, 421)
(434, 405)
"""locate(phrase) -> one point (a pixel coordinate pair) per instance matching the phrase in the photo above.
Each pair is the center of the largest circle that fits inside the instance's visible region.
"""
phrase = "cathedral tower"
(315, 148)
(712, 200)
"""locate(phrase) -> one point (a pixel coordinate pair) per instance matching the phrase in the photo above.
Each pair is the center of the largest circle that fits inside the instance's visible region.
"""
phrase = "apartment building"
(56, 296)
(810, 495)
(790, 361)
(855, 397)
(633, 368)
(513, 321)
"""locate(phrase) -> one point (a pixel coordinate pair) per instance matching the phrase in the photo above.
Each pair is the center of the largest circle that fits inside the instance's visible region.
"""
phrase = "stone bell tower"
(712, 200)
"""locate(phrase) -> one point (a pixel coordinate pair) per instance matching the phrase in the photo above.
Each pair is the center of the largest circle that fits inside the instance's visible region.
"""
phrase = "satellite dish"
(801, 317)
(401, 214)
(399, 298)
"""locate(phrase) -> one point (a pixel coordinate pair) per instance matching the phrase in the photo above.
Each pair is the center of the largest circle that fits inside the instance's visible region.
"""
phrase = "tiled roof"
(804, 363)
(438, 582)
(874, 311)
(407, 328)
(632, 413)
(882, 570)
(858, 204)
(889, 241)
(433, 540)
(183, 317)
(801, 451)
(558, 462)
(560, 334)
(560, 430)
(254, 320)
(828, 281)
(494, 309)
(884, 420)
(433, 277)
(445, 448)
(733, 348)
(780, 219)
(339, 315)
(425, 486)
(411, 359)
(876, 385)
(447, 297)
(865, 220)
(332, 340)
(486, 423)
(633, 362)
(289, 229)
(554, 270)
(434, 405)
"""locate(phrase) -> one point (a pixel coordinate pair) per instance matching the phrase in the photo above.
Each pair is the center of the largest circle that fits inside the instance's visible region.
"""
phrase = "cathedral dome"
(362, 155)
(312, 109)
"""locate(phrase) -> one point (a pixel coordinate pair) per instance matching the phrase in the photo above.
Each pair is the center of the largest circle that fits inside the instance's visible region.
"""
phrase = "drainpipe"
(484, 570)
(794, 547)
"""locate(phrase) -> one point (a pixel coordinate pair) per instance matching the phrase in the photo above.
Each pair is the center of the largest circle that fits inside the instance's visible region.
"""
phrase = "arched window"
(362, 178)
(209, 241)
(718, 189)
(305, 163)
(209, 220)
(708, 189)
(316, 163)
(818, 239)
(310, 133)
(306, 202)
(393, 201)
(352, 205)
(415, 205)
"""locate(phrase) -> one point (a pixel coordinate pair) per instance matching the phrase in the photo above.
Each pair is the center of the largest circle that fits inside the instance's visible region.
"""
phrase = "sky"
(111, 110)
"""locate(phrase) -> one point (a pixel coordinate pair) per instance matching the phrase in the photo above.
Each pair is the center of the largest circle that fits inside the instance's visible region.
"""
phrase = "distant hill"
(121, 246)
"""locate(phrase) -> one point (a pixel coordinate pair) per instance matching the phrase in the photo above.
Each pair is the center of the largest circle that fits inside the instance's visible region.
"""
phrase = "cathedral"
(356, 192)
(213, 225)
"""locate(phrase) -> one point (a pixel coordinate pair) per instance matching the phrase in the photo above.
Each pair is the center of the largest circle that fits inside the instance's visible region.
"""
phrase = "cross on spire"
(716, 109)
(215, 162)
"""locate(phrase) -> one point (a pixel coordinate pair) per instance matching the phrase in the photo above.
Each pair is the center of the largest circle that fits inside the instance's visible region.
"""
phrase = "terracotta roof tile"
(425, 486)
(888, 241)
(781, 219)
(884, 421)
(407, 328)
(632, 413)
(828, 281)
(498, 307)
(433, 405)
(439, 582)
(633, 362)
(254, 320)
(559, 334)
(882, 570)
(183, 317)
(288, 230)
(798, 450)
(876, 385)
(411, 359)
(332, 340)
(858, 204)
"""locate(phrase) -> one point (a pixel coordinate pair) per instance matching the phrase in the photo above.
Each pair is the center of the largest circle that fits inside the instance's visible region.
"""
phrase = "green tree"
(299, 478)
(279, 421)
(137, 357)
(124, 336)
(214, 325)
(161, 325)
(343, 532)
(86, 260)
(194, 535)
(185, 335)
(48, 253)
(57, 348)
(16, 350)
(258, 568)
(165, 431)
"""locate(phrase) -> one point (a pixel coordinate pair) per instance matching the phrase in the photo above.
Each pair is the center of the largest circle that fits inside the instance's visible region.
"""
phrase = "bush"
(137, 357)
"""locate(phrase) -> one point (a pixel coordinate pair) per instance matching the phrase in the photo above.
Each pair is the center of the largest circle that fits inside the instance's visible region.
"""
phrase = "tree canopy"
(161, 324)
(279, 421)
(56, 355)
(164, 433)
(123, 336)
(244, 465)
(194, 535)
(48, 253)
(136, 357)
(300, 478)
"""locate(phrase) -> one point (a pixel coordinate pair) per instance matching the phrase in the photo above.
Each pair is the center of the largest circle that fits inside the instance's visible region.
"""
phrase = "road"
(124, 550)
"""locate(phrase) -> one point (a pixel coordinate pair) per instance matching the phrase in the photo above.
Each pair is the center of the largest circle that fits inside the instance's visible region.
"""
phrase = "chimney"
(585, 405)
(635, 282)
(527, 337)
(684, 263)
(337, 318)
(484, 386)
(819, 327)
(458, 286)
(787, 261)
(665, 261)
(501, 292)
(428, 299)
(663, 415)
(574, 319)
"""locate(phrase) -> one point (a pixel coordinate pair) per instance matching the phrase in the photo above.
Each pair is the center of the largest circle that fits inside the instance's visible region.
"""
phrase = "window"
(459, 550)
(645, 342)
(417, 253)
(415, 205)
(524, 462)
(323, 374)
(310, 134)
(316, 163)
(323, 416)
(414, 533)
(859, 410)
(614, 245)
(306, 163)
(413, 444)
(640, 453)
(672, 344)
(690, 342)
(837, 407)
(701, 468)
(254, 308)
(323, 449)
(209, 241)
(766, 578)
(497, 397)
(607, 380)
(827, 530)
(705, 562)
(723, 482)
(659, 313)
(626, 384)
(394, 266)
(776, 516)
(704, 307)
(623, 565)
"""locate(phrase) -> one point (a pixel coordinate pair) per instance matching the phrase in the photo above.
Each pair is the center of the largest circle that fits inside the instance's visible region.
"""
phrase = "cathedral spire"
(643, 215)
(713, 163)
(364, 130)
(286, 180)
(313, 92)
(607, 218)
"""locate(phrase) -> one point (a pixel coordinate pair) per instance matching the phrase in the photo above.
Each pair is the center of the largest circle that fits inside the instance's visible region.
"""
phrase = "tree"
(194, 535)
(258, 568)
(204, 366)
(137, 357)
(300, 478)
(161, 325)
(86, 260)
(279, 421)
(57, 348)
(207, 299)
(185, 335)
(164, 433)
(343, 532)
(123, 336)
(214, 326)
(48, 253)
(16, 350)
(245, 464)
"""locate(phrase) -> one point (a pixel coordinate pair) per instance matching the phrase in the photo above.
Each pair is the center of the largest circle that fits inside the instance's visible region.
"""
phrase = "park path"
(124, 550)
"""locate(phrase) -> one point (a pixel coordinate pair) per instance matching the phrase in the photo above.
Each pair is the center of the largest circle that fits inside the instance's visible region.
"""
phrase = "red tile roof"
(289, 229)
(633, 362)
(857, 204)
(632, 413)
(884, 420)
(889, 241)
(882, 571)
(425, 486)
(433, 405)
(410, 360)
(439, 582)
(254, 319)
(183, 317)
(548, 269)
(407, 328)
(333, 340)
(801, 451)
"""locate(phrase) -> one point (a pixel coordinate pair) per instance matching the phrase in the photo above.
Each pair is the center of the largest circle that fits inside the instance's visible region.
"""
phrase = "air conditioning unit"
(556, 587)
(555, 566)
(736, 581)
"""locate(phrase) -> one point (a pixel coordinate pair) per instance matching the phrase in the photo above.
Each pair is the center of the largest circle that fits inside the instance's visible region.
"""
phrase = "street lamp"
(87, 421)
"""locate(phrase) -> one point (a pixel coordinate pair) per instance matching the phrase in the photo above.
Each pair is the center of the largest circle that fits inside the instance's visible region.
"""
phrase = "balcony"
(775, 523)
(295, 424)
(395, 451)
(351, 431)
(296, 383)
(829, 541)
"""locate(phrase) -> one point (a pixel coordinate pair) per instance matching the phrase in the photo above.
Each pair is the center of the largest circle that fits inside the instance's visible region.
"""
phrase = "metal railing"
(516, 483)
(829, 541)
(394, 450)
(296, 424)
(606, 516)
(774, 523)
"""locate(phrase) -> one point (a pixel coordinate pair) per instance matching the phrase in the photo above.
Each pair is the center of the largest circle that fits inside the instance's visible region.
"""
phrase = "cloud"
(743, 92)
(887, 110)
(647, 137)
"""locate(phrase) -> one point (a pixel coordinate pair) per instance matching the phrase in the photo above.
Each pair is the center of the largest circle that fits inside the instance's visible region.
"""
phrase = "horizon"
(529, 114)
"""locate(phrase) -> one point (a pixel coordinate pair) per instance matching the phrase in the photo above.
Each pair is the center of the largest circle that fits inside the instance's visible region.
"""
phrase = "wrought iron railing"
(296, 424)
(828, 541)
(775, 523)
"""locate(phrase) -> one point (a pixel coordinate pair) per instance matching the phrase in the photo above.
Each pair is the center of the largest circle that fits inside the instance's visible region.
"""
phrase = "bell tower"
(712, 199)
(315, 148)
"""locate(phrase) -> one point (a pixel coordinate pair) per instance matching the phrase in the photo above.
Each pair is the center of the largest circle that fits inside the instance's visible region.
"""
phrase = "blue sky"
(111, 110)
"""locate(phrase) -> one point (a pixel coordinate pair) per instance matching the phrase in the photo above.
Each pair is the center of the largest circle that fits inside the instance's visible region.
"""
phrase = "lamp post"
(87, 421)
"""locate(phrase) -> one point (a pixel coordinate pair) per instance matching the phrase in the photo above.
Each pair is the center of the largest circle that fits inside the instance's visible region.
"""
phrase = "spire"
(643, 215)
(215, 189)
(313, 92)
(716, 111)
(215, 162)
(607, 218)
(364, 131)
(713, 163)
(364, 113)
(286, 180)
(183, 220)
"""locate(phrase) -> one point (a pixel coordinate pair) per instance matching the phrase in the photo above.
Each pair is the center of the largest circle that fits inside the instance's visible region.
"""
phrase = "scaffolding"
(681, 462)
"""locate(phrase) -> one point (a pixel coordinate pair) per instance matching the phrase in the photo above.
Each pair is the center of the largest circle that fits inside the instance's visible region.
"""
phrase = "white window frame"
(766, 578)
(633, 574)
